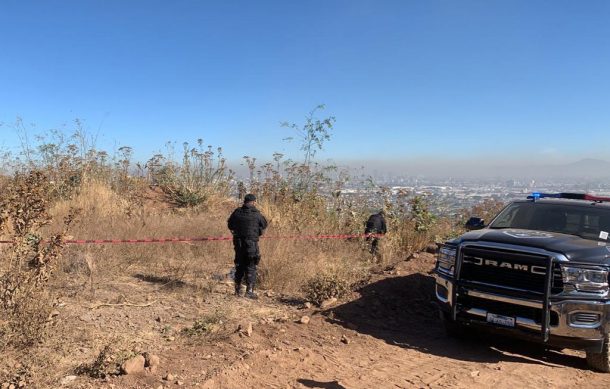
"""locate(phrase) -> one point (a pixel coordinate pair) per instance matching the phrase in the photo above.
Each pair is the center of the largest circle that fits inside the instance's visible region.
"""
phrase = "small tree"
(313, 134)
(420, 214)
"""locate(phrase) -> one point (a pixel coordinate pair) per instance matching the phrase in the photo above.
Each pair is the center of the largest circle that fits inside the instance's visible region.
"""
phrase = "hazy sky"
(519, 80)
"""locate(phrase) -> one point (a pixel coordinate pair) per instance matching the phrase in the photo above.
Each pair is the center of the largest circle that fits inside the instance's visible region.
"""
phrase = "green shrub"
(420, 214)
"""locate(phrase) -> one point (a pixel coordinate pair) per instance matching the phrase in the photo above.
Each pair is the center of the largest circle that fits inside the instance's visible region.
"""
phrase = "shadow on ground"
(402, 312)
(164, 281)
(319, 384)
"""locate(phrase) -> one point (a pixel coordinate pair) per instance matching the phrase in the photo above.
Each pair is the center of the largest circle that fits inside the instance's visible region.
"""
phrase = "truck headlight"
(585, 279)
(446, 259)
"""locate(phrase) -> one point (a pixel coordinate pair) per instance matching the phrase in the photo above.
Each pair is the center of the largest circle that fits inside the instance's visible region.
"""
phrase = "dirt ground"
(386, 335)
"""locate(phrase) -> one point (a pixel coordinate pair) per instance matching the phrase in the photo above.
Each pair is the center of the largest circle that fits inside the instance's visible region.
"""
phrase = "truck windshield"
(588, 222)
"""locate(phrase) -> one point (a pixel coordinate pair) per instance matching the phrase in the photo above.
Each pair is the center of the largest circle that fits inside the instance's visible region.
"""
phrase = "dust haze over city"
(455, 185)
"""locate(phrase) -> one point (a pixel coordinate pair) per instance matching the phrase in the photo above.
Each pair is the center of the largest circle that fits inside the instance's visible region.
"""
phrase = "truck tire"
(600, 361)
(453, 328)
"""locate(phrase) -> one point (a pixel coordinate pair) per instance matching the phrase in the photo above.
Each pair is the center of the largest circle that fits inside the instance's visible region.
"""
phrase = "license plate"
(505, 321)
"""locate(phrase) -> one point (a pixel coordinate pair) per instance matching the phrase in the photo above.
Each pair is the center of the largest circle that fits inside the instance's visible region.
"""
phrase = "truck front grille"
(508, 269)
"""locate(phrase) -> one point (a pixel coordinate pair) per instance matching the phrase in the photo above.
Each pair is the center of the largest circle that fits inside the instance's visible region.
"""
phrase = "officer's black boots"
(250, 293)
(238, 290)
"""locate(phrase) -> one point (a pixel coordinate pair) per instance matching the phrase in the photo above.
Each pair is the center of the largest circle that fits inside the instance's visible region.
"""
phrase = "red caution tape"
(206, 239)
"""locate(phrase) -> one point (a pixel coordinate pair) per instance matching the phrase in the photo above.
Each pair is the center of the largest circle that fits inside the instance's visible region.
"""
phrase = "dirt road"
(386, 337)
(389, 337)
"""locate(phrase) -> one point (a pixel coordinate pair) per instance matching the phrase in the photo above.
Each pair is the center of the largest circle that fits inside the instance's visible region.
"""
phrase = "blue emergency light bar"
(572, 196)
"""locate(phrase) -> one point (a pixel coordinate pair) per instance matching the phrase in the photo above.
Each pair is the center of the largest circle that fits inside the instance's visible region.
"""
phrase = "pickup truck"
(538, 271)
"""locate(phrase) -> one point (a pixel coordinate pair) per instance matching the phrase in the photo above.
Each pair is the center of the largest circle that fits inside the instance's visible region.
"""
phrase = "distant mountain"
(590, 163)
(588, 167)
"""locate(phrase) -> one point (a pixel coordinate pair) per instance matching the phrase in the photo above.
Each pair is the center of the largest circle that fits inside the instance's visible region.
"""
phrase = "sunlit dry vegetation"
(63, 188)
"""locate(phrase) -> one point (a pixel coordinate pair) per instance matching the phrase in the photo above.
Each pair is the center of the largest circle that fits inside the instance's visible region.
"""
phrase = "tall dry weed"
(29, 260)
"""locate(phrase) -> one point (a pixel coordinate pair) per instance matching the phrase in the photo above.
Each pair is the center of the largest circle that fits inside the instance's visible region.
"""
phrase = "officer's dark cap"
(249, 198)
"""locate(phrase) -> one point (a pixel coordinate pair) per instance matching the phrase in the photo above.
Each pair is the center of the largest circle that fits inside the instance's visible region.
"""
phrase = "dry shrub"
(107, 363)
(201, 177)
(287, 264)
(27, 263)
(101, 367)
(94, 199)
(24, 324)
(486, 210)
(208, 324)
(403, 239)
(325, 286)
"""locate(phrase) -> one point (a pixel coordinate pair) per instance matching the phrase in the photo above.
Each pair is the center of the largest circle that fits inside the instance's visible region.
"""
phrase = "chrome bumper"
(580, 319)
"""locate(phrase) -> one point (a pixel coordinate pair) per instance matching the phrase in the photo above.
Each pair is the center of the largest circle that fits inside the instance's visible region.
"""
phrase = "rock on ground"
(133, 365)
(328, 303)
(152, 361)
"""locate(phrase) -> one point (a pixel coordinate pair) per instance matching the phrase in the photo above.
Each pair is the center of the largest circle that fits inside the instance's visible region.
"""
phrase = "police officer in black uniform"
(247, 224)
(375, 225)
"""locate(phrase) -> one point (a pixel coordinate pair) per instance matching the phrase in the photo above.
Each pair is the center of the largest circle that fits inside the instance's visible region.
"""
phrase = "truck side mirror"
(474, 223)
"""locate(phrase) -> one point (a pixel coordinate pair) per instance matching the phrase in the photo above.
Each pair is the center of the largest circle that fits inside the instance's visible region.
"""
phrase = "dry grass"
(287, 264)
(170, 274)
(285, 267)
(106, 215)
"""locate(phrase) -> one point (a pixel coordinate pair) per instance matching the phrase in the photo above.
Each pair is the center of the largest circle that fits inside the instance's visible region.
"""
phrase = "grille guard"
(551, 258)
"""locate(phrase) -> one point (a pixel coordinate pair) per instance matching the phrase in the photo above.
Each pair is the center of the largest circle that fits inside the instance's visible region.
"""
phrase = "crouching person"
(247, 224)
